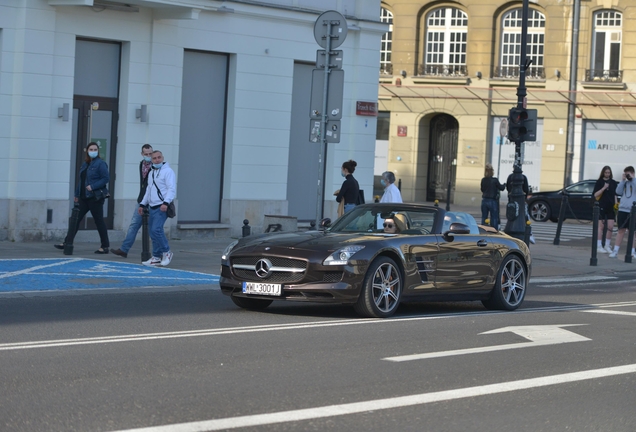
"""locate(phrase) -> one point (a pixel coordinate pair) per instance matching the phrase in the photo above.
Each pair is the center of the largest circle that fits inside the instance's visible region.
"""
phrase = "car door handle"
(482, 243)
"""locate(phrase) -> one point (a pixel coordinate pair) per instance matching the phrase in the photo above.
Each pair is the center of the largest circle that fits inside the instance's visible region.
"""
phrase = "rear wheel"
(251, 303)
(510, 287)
(539, 211)
(381, 289)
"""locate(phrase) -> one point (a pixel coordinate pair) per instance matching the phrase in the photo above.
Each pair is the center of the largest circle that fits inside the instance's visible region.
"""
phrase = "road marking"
(539, 335)
(36, 268)
(281, 327)
(611, 312)
(388, 403)
(542, 280)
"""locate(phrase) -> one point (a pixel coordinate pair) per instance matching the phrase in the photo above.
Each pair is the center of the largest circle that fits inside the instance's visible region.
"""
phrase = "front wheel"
(251, 303)
(539, 211)
(510, 286)
(381, 289)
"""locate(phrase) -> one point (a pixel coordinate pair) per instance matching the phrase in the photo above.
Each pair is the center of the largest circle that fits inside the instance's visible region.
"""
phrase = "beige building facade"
(449, 74)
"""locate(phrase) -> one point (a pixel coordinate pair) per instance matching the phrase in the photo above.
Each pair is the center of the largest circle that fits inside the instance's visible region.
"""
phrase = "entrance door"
(442, 162)
(100, 126)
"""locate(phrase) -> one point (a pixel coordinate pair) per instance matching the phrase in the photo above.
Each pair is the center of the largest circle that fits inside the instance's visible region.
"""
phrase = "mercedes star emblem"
(263, 268)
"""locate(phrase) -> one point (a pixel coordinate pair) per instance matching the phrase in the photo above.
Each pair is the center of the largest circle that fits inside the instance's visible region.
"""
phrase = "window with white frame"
(511, 45)
(606, 46)
(445, 47)
(386, 16)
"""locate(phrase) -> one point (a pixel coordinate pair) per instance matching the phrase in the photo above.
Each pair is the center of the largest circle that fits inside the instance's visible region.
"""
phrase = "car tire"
(251, 303)
(381, 289)
(510, 287)
(539, 211)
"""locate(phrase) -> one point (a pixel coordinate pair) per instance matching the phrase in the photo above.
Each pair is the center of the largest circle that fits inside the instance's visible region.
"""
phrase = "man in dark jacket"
(144, 168)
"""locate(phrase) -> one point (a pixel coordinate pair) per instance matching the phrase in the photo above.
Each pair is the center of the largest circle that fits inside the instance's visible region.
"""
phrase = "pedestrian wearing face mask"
(350, 190)
(391, 192)
(90, 194)
(144, 168)
(160, 193)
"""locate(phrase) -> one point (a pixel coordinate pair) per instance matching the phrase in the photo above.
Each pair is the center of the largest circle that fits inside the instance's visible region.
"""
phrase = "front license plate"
(262, 288)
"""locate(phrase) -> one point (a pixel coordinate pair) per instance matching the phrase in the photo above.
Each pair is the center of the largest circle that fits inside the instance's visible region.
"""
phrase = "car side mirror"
(325, 223)
(454, 229)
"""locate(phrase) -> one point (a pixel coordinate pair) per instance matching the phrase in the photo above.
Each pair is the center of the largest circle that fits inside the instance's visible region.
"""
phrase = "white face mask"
(147, 158)
(92, 154)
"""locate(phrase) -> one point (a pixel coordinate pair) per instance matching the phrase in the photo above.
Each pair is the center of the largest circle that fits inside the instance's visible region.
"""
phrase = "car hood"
(307, 240)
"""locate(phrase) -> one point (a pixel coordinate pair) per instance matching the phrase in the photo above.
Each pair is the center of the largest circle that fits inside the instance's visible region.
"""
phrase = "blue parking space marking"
(30, 275)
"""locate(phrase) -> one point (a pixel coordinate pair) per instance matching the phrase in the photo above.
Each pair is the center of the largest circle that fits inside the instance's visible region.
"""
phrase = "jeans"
(155, 225)
(97, 211)
(348, 207)
(489, 205)
(133, 229)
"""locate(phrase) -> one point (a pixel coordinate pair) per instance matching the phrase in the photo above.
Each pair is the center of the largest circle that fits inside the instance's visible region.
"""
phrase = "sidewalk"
(568, 259)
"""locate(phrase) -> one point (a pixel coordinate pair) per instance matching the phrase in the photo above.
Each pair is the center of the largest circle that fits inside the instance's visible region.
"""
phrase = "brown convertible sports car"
(376, 256)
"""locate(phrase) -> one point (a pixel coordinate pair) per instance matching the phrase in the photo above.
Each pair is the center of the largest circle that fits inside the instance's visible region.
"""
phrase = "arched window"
(445, 47)
(606, 47)
(386, 67)
(510, 58)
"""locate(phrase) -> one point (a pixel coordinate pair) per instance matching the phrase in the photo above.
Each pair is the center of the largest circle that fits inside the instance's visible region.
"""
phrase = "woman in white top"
(391, 192)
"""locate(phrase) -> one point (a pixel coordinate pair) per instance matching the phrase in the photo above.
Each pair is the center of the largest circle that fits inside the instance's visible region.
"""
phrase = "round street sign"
(503, 127)
(338, 29)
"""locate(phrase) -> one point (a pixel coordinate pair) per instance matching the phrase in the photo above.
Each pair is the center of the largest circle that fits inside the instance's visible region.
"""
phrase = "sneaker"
(608, 248)
(120, 253)
(154, 261)
(613, 254)
(532, 239)
(167, 257)
(599, 249)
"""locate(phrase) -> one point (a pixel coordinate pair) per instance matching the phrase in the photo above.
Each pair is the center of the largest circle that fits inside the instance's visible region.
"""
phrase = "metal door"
(442, 163)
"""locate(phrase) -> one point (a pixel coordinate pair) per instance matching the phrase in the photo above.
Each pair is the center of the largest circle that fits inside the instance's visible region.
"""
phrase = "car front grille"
(332, 276)
(287, 269)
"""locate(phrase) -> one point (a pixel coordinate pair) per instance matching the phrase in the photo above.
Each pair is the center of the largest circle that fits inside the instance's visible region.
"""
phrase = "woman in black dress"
(605, 193)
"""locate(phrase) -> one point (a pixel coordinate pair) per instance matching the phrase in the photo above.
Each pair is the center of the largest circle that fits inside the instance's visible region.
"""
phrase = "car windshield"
(386, 219)
(461, 217)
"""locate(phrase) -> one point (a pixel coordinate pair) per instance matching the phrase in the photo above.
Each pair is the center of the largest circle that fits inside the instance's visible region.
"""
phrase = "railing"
(532, 73)
(443, 70)
(604, 75)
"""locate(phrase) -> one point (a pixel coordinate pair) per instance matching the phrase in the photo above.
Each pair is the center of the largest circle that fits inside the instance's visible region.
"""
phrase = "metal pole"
(145, 237)
(630, 233)
(569, 153)
(516, 208)
(323, 129)
(564, 203)
(595, 213)
(73, 221)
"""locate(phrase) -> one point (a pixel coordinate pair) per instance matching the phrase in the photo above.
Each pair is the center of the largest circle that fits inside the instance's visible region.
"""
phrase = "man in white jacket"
(391, 192)
(161, 191)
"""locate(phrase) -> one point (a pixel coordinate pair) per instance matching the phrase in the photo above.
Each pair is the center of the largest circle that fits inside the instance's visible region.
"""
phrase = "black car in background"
(543, 206)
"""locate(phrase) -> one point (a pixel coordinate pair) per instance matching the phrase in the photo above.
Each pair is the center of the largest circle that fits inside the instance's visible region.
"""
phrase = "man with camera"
(625, 190)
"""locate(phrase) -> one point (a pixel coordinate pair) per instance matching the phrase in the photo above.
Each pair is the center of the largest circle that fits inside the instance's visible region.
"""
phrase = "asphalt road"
(191, 360)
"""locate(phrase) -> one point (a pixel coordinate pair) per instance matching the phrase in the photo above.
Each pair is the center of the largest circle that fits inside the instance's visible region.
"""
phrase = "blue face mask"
(157, 166)
(342, 174)
(92, 154)
(147, 158)
(382, 182)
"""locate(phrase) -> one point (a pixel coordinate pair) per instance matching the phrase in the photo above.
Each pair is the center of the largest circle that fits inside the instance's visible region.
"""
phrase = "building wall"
(479, 96)
(37, 49)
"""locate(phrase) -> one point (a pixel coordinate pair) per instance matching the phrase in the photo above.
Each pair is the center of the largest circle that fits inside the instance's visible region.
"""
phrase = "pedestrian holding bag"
(171, 211)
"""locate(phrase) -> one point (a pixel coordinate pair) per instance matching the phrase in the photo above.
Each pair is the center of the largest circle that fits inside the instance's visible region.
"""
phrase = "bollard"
(630, 233)
(564, 203)
(145, 237)
(312, 225)
(595, 213)
(604, 235)
(73, 223)
(436, 204)
(526, 233)
(247, 230)
(448, 193)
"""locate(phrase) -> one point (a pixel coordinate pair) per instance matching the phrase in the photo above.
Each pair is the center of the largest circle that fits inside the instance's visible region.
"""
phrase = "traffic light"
(522, 124)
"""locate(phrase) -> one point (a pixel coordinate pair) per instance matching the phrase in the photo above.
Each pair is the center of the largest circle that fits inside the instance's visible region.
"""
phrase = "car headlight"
(228, 249)
(342, 256)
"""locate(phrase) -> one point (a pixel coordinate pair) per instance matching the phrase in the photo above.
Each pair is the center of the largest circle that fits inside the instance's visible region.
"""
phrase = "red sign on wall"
(367, 108)
(402, 131)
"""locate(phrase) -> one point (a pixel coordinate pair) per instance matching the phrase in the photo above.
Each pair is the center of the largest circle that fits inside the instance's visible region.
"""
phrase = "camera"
(628, 176)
